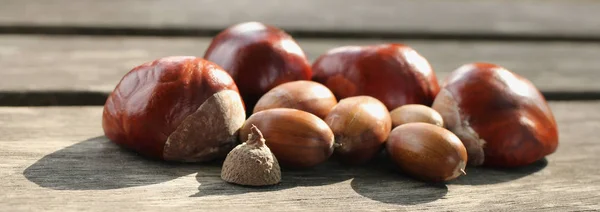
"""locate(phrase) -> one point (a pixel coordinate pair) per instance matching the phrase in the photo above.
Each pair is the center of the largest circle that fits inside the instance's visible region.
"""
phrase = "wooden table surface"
(59, 59)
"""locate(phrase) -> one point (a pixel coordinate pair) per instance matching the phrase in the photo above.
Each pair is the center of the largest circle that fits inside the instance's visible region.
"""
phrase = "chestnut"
(427, 152)
(415, 113)
(298, 139)
(303, 95)
(258, 57)
(361, 124)
(393, 73)
(501, 117)
(175, 108)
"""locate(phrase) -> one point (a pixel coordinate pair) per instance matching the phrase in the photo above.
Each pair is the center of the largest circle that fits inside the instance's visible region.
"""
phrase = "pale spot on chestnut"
(247, 27)
(291, 46)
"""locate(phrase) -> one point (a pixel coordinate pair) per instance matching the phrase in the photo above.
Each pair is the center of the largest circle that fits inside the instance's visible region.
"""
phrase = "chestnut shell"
(395, 74)
(501, 117)
(153, 99)
(258, 57)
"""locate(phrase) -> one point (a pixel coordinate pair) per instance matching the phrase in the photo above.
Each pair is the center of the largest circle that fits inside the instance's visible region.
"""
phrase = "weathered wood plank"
(38, 63)
(510, 17)
(56, 159)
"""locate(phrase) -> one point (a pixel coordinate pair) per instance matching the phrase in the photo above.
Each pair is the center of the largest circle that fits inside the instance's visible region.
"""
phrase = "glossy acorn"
(415, 113)
(361, 125)
(298, 139)
(303, 95)
(427, 152)
(500, 116)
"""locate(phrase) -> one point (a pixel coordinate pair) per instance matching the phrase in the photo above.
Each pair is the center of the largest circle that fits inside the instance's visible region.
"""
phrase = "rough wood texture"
(37, 63)
(467, 17)
(56, 159)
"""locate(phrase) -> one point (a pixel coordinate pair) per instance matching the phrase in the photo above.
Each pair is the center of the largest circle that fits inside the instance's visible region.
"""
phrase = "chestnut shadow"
(381, 181)
(486, 175)
(324, 174)
(99, 164)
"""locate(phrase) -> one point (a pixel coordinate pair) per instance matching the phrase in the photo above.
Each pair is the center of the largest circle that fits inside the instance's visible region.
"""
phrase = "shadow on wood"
(328, 173)
(484, 175)
(98, 164)
(377, 180)
(381, 181)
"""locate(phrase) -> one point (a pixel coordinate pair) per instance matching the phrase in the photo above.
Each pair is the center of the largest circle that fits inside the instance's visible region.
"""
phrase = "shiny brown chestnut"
(501, 117)
(427, 152)
(298, 139)
(395, 74)
(303, 95)
(361, 124)
(415, 113)
(258, 57)
(176, 109)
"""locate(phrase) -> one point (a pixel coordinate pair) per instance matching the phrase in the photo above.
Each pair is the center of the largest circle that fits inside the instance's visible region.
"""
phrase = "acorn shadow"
(99, 164)
(486, 175)
(381, 181)
(324, 174)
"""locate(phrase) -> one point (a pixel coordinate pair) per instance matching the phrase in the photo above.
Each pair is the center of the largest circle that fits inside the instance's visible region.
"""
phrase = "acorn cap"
(251, 163)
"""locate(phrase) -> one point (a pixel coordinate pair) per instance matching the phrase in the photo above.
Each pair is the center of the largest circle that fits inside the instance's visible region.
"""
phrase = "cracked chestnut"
(175, 108)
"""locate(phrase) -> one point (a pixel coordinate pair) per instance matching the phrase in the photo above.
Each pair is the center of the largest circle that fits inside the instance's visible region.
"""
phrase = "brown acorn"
(427, 152)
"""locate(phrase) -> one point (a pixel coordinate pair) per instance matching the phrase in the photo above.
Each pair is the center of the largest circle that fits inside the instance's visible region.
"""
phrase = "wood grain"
(56, 159)
(96, 64)
(466, 17)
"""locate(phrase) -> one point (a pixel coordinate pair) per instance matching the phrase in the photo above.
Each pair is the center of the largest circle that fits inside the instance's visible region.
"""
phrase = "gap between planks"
(339, 34)
(82, 70)
(90, 98)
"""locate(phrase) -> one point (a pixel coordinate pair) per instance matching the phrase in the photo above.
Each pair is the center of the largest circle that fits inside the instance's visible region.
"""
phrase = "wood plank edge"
(98, 98)
(297, 33)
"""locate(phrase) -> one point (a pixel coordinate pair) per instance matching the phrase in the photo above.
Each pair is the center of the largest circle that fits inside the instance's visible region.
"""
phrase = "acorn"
(360, 124)
(415, 113)
(298, 139)
(427, 152)
(251, 163)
